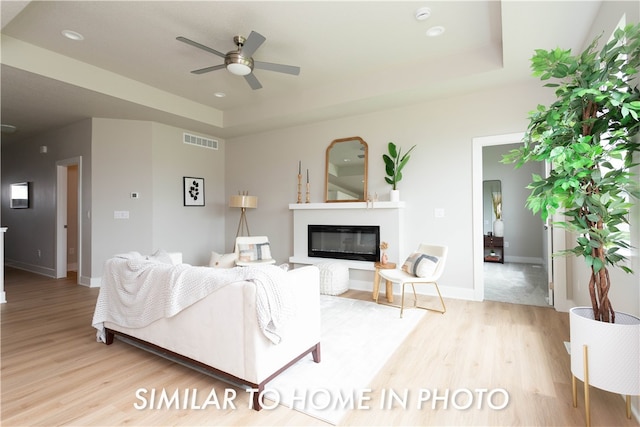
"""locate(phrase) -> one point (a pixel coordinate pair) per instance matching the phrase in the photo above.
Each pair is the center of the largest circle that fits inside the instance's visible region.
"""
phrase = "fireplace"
(352, 242)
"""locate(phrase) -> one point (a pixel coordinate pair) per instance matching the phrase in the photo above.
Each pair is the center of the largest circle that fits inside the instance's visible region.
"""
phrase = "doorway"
(520, 271)
(69, 218)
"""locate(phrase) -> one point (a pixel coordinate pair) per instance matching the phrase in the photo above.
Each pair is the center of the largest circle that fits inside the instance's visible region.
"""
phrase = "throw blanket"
(137, 291)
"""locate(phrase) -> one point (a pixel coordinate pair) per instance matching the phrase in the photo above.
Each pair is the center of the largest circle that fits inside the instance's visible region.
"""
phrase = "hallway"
(517, 283)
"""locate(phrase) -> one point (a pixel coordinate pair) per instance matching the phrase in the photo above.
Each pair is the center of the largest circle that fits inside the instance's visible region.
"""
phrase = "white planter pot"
(394, 195)
(498, 228)
(613, 351)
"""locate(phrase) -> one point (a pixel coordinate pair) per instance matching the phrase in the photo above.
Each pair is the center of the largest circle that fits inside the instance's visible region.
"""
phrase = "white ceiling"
(355, 57)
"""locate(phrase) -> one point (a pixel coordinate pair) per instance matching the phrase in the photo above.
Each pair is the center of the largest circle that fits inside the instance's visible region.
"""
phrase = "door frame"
(61, 216)
(478, 230)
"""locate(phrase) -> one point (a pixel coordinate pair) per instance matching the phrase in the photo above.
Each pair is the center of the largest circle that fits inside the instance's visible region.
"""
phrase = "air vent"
(200, 141)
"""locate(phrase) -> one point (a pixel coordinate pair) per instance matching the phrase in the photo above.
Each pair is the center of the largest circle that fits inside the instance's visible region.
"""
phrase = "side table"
(376, 280)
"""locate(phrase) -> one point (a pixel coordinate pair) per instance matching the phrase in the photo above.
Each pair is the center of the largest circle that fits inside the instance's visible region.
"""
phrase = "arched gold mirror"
(346, 170)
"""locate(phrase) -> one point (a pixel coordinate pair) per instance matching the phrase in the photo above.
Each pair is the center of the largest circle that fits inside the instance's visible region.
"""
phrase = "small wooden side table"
(376, 281)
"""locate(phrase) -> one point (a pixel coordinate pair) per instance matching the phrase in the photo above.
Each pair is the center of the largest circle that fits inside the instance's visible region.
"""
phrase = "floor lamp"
(244, 202)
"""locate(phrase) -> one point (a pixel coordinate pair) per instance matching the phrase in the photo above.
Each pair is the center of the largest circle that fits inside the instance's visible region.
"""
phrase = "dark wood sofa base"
(314, 350)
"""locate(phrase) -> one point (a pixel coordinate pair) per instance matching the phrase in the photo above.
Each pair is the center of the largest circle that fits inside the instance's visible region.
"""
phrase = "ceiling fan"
(240, 62)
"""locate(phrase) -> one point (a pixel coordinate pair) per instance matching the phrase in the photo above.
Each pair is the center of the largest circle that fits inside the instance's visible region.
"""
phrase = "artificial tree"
(394, 162)
(590, 136)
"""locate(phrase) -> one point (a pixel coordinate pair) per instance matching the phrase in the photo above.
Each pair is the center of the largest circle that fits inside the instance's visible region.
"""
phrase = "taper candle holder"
(308, 198)
(299, 188)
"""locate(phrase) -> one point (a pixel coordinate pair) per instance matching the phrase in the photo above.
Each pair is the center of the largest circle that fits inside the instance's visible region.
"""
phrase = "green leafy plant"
(394, 162)
(589, 136)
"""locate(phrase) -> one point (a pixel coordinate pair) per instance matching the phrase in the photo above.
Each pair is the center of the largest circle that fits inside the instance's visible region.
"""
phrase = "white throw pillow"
(420, 265)
(222, 260)
(253, 252)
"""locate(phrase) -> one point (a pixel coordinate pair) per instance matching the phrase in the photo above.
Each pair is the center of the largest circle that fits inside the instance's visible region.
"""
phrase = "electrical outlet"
(135, 195)
(72, 251)
(438, 212)
(506, 244)
(39, 253)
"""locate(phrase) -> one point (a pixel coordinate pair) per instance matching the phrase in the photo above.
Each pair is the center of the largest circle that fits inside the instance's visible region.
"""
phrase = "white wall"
(437, 176)
(122, 152)
(151, 159)
(194, 231)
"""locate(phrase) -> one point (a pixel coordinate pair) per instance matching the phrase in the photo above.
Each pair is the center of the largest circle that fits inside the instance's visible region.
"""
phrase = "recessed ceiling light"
(423, 13)
(72, 35)
(5, 128)
(219, 94)
(435, 31)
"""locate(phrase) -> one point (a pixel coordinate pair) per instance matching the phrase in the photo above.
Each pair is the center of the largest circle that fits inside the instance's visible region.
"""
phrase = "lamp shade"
(243, 201)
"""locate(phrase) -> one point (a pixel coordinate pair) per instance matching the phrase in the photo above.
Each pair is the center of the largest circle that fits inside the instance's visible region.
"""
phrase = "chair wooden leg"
(402, 302)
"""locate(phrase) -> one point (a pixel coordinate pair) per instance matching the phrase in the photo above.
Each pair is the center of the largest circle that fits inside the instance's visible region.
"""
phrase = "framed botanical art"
(193, 191)
(19, 195)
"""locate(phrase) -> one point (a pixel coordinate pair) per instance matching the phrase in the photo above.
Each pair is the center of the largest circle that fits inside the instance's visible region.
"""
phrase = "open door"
(61, 222)
(63, 217)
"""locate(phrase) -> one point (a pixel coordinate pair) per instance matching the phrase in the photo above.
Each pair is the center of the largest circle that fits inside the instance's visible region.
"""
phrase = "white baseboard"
(446, 291)
(523, 259)
(38, 269)
(92, 282)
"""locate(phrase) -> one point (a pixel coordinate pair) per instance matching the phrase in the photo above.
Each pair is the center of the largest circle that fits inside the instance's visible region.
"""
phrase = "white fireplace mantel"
(389, 216)
(347, 205)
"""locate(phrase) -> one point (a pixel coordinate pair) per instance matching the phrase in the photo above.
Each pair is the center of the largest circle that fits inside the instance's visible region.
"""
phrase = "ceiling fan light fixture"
(239, 69)
(238, 64)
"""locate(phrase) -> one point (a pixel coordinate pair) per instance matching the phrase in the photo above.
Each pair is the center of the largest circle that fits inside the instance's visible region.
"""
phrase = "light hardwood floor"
(55, 373)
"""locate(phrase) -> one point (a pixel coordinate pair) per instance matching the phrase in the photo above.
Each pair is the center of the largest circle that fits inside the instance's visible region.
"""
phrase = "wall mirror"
(346, 170)
(491, 190)
(19, 195)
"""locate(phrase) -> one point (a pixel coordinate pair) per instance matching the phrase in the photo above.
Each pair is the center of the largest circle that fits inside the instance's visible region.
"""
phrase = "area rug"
(357, 339)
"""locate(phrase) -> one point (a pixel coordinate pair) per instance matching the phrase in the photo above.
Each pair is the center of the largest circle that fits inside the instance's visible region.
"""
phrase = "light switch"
(121, 214)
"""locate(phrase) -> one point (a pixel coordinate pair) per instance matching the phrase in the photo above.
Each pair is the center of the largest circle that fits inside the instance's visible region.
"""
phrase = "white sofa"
(221, 332)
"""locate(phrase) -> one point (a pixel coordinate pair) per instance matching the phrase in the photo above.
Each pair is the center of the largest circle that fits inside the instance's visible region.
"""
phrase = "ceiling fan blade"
(280, 68)
(253, 81)
(253, 42)
(208, 69)
(200, 46)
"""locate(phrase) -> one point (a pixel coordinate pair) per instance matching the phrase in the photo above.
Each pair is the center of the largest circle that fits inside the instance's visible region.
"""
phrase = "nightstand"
(494, 249)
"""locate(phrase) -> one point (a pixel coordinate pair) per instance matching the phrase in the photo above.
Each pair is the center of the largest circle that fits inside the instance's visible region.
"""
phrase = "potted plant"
(394, 162)
(589, 134)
